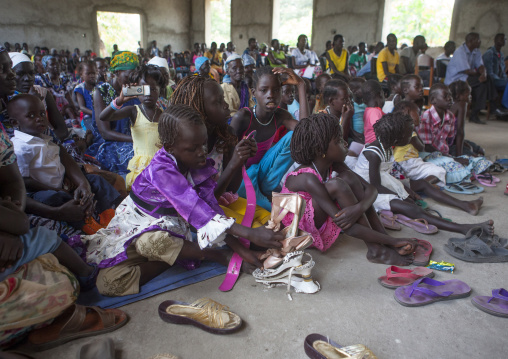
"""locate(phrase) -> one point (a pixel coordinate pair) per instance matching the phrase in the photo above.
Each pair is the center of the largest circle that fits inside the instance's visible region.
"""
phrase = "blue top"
(87, 95)
(294, 110)
(462, 60)
(364, 70)
(357, 120)
(494, 63)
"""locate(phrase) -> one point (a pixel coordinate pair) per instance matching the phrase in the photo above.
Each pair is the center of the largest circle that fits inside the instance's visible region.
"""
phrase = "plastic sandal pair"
(398, 277)
(478, 247)
(294, 272)
(204, 313)
(318, 346)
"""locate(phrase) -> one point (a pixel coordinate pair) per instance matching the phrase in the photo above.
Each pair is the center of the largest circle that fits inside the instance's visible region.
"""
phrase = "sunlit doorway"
(122, 29)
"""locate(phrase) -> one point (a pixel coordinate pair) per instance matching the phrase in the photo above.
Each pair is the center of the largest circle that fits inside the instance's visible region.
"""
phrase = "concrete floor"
(351, 308)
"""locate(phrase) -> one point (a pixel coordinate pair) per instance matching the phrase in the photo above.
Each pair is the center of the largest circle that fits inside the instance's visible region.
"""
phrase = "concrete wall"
(66, 24)
(485, 17)
(356, 20)
(252, 18)
(72, 23)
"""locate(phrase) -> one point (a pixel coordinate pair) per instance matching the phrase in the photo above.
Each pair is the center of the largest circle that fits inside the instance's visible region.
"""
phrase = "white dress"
(387, 180)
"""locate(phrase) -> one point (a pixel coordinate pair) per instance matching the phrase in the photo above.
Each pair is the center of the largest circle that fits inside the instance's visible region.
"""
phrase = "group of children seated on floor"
(183, 164)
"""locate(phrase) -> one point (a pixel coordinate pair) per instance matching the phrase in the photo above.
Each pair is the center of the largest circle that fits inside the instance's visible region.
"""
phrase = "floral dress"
(114, 156)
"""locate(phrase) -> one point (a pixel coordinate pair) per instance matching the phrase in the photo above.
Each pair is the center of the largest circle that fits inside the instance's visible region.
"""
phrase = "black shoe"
(475, 119)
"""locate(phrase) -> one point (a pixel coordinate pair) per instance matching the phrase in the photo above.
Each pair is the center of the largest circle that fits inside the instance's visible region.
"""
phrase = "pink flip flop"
(486, 179)
(420, 225)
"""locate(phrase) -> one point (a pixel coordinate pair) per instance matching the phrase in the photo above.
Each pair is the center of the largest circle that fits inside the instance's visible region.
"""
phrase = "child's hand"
(7, 202)
(244, 150)
(348, 110)
(266, 238)
(72, 211)
(123, 99)
(11, 249)
(348, 216)
(83, 195)
(293, 79)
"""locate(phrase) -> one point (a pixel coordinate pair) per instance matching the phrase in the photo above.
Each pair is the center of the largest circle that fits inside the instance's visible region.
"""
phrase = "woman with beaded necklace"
(269, 165)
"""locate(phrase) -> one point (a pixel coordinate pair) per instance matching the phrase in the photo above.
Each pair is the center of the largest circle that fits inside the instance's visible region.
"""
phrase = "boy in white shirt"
(51, 176)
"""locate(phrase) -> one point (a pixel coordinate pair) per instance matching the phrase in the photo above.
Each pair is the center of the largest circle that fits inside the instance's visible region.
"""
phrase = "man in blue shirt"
(493, 59)
(467, 65)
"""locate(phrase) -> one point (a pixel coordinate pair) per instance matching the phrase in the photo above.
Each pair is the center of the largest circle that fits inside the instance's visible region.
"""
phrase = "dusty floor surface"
(351, 307)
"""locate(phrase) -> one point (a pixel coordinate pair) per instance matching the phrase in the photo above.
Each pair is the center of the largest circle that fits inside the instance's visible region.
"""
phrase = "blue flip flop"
(464, 188)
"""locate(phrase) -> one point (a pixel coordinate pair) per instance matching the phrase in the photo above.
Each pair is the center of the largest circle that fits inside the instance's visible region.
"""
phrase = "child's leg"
(105, 194)
(151, 254)
(70, 259)
(471, 207)
(413, 211)
(341, 193)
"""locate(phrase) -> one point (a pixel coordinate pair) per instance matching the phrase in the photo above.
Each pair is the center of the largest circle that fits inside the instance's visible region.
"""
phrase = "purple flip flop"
(496, 305)
(425, 291)
(419, 225)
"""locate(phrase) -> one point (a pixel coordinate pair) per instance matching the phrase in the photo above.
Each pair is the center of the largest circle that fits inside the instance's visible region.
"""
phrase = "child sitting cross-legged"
(50, 174)
(423, 175)
(151, 228)
(337, 198)
(438, 131)
(374, 165)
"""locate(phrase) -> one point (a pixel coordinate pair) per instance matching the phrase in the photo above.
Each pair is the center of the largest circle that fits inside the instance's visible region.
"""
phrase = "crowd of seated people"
(102, 156)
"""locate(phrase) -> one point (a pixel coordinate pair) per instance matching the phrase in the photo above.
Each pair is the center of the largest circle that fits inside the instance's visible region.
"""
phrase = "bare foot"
(384, 255)
(487, 227)
(473, 207)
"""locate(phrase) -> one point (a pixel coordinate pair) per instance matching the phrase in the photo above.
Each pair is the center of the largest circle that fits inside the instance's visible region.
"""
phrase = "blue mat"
(173, 278)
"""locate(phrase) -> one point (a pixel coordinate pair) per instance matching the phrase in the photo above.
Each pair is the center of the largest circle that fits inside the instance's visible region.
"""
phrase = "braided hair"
(191, 92)
(312, 136)
(260, 72)
(171, 120)
(391, 127)
(458, 88)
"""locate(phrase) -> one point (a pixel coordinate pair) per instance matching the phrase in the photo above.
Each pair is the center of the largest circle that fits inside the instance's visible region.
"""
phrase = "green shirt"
(358, 61)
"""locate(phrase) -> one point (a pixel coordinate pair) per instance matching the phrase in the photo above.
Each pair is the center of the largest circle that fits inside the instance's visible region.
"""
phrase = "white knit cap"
(159, 61)
(18, 57)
